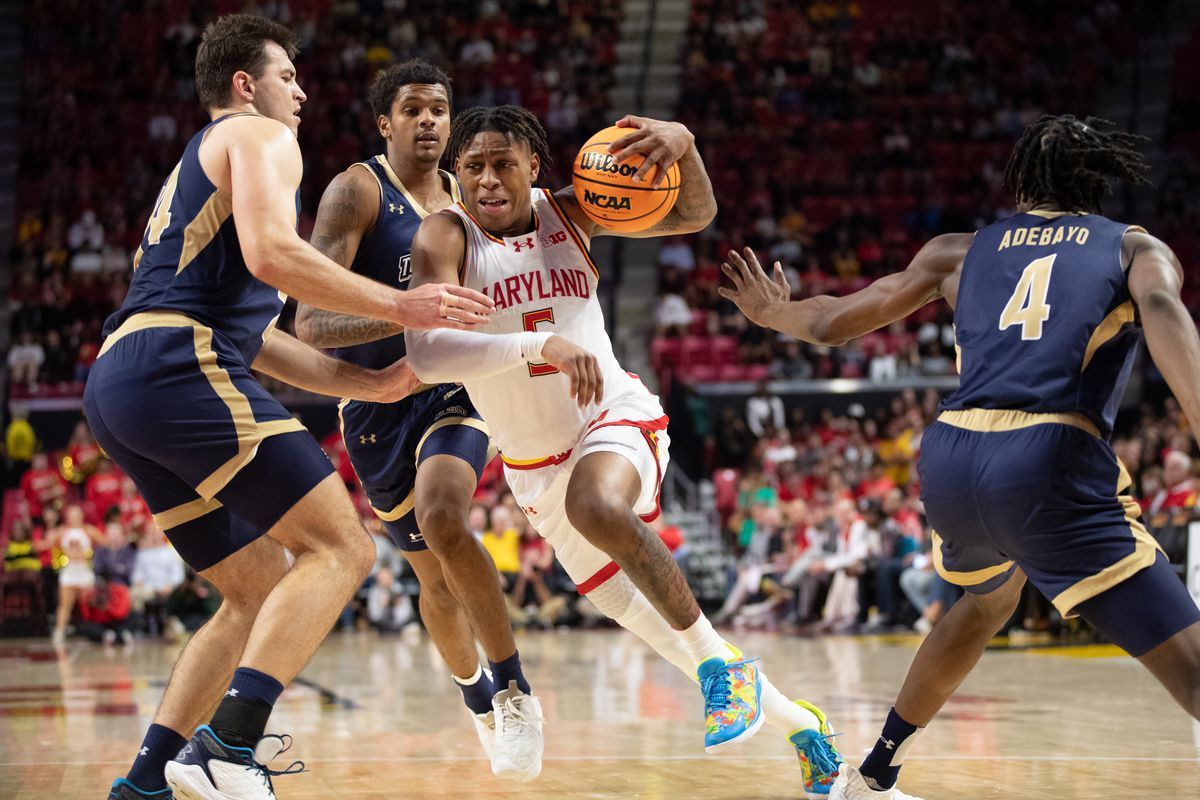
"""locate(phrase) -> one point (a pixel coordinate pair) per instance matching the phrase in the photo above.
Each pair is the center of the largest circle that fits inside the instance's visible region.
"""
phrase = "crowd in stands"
(825, 515)
(821, 517)
(123, 75)
(841, 135)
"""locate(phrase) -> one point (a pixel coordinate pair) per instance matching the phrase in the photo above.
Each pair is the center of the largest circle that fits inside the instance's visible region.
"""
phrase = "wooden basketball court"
(379, 718)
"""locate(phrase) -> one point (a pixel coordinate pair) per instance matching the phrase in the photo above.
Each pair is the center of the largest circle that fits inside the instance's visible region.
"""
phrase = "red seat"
(756, 372)
(724, 350)
(700, 373)
(665, 352)
(696, 350)
(730, 373)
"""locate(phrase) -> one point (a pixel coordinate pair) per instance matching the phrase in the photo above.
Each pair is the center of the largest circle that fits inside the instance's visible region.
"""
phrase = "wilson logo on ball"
(601, 162)
(606, 201)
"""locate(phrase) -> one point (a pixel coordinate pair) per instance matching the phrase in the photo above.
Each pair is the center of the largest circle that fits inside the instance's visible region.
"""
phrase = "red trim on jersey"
(596, 581)
(536, 463)
(482, 229)
(570, 226)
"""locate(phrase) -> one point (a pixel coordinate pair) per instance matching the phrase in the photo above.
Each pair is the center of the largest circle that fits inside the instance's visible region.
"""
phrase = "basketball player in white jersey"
(583, 442)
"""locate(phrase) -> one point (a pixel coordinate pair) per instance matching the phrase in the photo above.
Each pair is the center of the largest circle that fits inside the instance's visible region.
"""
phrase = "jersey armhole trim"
(378, 206)
(572, 230)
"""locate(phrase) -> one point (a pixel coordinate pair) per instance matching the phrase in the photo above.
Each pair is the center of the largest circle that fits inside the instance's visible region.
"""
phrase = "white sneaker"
(485, 729)
(850, 785)
(517, 748)
(209, 769)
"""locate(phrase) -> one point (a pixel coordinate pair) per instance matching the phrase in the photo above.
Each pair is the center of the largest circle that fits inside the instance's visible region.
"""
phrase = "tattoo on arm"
(338, 220)
(695, 202)
(321, 328)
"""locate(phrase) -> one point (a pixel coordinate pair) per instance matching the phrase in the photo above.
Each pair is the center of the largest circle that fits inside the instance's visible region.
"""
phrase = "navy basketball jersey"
(385, 253)
(1044, 321)
(190, 261)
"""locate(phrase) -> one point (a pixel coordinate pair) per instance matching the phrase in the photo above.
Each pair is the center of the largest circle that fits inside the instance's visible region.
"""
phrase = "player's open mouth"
(492, 205)
(428, 138)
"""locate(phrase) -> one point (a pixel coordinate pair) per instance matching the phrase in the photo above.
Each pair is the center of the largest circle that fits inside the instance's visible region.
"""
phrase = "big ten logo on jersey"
(558, 237)
(405, 268)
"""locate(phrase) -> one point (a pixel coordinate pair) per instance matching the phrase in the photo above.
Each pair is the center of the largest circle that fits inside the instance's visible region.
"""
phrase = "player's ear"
(535, 166)
(385, 126)
(243, 87)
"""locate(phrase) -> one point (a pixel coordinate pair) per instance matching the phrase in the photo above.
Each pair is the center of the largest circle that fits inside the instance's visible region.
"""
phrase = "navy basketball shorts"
(387, 442)
(218, 460)
(1043, 492)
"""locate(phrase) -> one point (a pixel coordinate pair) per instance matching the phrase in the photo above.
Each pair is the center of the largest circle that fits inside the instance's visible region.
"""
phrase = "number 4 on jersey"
(1027, 307)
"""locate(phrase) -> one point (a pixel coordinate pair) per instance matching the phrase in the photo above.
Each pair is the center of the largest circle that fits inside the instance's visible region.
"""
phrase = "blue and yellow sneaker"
(819, 759)
(124, 790)
(732, 700)
(209, 769)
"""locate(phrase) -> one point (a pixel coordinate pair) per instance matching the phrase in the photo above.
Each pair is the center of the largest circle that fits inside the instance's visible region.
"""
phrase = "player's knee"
(603, 521)
(444, 528)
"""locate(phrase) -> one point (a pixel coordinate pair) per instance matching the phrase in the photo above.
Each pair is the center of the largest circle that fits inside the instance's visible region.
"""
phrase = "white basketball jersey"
(542, 281)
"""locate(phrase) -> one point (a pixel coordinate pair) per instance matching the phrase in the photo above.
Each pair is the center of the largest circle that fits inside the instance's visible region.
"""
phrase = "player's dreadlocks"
(1066, 162)
(512, 121)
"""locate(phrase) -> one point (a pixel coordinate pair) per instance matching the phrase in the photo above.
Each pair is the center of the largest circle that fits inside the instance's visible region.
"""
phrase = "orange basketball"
(606, 191)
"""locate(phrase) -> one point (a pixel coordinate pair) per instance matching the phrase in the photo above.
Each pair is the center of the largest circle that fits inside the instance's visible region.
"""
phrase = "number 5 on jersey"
(531, 320)
(1027, 307)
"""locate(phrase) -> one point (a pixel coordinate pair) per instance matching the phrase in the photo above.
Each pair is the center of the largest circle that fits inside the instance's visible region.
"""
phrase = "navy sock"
(509, 670)
(882, 765)
(160, 746)
(477, 691)
(242, 716)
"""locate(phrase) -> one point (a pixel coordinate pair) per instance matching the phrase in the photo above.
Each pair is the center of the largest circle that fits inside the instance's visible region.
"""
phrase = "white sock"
(475, 676)
(783, 712)
(702, 642)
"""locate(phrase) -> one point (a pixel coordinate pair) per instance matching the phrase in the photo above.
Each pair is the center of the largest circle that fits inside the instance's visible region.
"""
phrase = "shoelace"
(819, 752)
(266, 773)
(515, 716)
(717, 686)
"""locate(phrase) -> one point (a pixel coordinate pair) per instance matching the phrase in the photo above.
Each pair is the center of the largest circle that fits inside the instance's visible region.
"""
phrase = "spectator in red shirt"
(134, 511)
(105, 612)
(103, 489)
(43, 486)
(1179, 490)
(85, 453)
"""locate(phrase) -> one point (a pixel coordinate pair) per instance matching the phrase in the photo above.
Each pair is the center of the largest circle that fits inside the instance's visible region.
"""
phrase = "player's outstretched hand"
(662, 143)
(587, 385)
(396, 382)
(753, 292)
(443, 305)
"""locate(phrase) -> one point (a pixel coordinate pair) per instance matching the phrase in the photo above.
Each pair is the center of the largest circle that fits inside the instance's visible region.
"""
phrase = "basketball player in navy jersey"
(1017, 476)
(420, 459)
(218, 460)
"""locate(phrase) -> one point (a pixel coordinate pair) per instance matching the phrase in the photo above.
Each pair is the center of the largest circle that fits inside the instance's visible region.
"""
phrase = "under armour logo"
(527, 243)
(367, 438)
(888, 743)
(529, 509)
(232, 693)
(415, 537)
(144, 751)
(393, 208)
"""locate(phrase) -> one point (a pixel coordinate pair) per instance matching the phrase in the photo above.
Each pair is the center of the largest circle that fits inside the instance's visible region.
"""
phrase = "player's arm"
(1155, 281)
(446, 356)
(663, 144)
(834, 321)
(348, 210)
(264, 172)
(288, 359)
